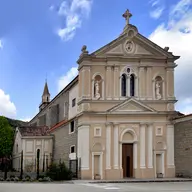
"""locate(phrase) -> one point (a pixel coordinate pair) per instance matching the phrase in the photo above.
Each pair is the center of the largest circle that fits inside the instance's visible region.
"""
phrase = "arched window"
(123, 85)
(17, 148)
(38, 153)
(132, 85)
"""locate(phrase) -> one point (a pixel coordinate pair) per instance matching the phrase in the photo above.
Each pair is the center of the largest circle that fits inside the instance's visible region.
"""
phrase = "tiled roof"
(34, 131)
(58, 125)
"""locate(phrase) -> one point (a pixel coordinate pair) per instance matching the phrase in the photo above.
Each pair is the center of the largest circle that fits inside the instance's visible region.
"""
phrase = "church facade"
(122, 102)
(126, 102)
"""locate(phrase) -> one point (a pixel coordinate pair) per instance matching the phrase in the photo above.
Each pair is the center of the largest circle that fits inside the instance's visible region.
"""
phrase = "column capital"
(150, 124)
(143, 124)
(108, 68)
(116, 68)
(170, 125)
(108, 123)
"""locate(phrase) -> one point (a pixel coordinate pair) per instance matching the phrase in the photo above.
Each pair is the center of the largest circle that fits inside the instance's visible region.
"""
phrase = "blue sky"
(44, 38)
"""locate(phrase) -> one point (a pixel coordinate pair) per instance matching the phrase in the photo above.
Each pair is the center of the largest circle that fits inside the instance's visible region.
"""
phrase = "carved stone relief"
(97, 87)
(158, 88)
(129, 46)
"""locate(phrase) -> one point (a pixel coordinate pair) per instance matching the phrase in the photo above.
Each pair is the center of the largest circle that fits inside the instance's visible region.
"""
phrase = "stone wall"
(183, 148)
(54, 112)
(63, 140)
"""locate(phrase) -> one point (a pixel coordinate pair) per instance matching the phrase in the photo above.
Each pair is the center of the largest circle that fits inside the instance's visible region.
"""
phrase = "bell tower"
(45, 97)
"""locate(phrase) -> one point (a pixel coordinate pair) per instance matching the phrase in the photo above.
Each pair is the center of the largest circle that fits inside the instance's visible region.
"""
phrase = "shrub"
(1, 179)
(16, 179)
(12, 176)
(27, 177)
(8, 179)
(59, 172)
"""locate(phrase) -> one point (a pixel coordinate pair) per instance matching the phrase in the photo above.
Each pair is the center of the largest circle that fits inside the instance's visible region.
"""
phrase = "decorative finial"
(127, 15)
(84, 49)
(166, 48)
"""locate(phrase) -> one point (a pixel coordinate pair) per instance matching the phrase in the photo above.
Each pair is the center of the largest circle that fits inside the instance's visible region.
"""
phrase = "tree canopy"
(6, 137)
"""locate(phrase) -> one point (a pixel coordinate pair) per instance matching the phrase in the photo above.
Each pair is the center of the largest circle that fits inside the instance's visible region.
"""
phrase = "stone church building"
(115, 116)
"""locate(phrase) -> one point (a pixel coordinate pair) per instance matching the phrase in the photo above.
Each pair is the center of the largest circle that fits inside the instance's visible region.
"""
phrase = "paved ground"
(85, 187)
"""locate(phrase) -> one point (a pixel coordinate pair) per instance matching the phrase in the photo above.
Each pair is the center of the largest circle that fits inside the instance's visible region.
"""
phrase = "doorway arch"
(128, 152)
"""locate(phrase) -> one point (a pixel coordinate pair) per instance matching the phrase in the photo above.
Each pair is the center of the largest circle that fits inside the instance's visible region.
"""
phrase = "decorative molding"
(159, 130)
(97, 132)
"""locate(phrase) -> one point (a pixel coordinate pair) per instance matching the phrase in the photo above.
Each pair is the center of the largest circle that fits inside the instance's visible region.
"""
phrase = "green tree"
(6, 138)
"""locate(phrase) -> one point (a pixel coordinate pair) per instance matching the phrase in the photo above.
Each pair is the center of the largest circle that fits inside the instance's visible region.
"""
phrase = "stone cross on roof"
(127, 15)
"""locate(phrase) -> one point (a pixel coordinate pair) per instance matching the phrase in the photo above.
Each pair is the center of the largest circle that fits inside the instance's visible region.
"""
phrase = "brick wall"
(183, 148)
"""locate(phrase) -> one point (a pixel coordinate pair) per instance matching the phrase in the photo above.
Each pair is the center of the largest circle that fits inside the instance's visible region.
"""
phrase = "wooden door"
(127, 160)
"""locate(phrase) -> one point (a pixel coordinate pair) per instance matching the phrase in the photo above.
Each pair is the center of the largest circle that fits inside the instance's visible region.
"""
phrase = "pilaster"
(116, 146)
(108, 146)
(170, 146)
(142, 146)
(108, 82)
(170, 83)
(141, 83)
(116, 83)
(150, 146)
(149, 83)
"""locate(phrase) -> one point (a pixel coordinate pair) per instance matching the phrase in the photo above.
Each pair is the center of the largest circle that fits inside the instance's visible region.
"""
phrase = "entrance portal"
(127, 160)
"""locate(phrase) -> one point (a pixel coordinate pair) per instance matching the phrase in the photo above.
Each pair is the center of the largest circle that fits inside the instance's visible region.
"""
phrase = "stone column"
(108, 146)
(116, 83)
(150, 146)
(128, 86)
(149, 83)
(116, 146)
(170, 146)
(141, 82)
(142, 146)
(136, 86)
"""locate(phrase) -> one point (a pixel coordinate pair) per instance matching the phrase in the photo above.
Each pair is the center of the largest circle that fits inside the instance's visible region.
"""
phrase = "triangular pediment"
(132, 105)
(140, 46)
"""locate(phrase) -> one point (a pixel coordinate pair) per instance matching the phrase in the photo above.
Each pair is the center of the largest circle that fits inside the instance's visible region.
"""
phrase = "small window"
(17, 148)
(73, 102)
(159, 131)
(72, 127)
(72, 149)
(97, 131)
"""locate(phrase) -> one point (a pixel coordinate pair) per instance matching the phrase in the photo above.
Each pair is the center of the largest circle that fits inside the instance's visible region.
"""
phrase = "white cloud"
(74, 14)
(158, 8)
(1, 44)
(179, 38)
(154, 2)
(51, 8)
(67, 78)
(157, 12)
(26, 119)
(7, 108)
